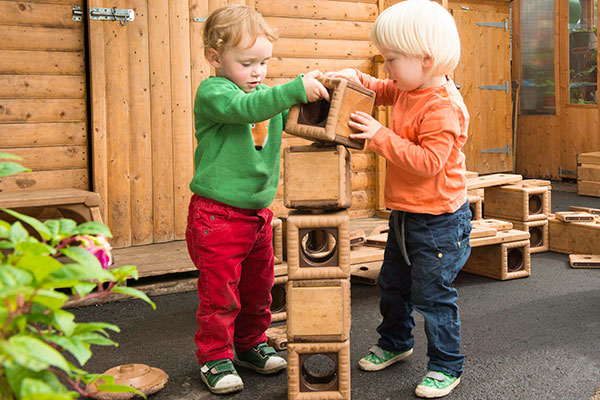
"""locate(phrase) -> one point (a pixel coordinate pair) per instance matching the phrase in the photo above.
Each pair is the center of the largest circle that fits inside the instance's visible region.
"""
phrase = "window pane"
(583, 71)
(537, 46)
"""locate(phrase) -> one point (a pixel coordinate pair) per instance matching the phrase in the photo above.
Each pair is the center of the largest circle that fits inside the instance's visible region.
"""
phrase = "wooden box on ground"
(327, 121)
(318, 245)
(588, 174)
(279, 299)
(538, 234)
(365, 264)
(584, 260)
(500, 261)
(516, 202)
(573, 237)
(318, 310)
(318, 371)
(317, 177)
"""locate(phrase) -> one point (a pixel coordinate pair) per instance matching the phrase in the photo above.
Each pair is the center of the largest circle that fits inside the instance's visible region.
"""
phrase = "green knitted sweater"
(228, 167)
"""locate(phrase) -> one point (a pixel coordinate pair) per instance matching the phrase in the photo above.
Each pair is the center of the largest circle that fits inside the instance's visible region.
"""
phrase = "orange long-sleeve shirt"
(426, 167)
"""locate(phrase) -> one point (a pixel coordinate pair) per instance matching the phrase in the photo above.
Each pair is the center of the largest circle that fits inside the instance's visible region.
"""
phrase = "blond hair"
(225, 27)
(419, 28)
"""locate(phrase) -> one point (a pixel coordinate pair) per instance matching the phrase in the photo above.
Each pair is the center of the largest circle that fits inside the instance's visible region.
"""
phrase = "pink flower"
(97, 245)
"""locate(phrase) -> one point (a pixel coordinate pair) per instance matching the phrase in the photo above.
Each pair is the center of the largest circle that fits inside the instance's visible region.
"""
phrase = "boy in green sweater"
(238, 122)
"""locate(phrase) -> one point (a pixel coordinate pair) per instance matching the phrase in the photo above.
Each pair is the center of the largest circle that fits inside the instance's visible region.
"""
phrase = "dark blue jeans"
(437, 247)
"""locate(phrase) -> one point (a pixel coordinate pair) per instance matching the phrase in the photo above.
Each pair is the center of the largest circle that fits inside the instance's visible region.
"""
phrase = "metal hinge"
(502, 25)
(77, 13)
(562, 172)
(112, 14)
(500, 150)
(199, 19)
(505, 87)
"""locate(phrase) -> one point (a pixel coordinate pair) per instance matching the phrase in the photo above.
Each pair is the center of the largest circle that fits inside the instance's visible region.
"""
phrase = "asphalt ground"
(524, 339)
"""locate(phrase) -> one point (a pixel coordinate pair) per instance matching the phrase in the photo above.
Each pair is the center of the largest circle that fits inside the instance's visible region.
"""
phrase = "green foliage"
(8, 167)
(38, 274)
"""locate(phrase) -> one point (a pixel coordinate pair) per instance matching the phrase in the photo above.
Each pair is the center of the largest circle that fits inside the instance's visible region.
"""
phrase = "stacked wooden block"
(317, 186)
(588, 174)
(575, 232)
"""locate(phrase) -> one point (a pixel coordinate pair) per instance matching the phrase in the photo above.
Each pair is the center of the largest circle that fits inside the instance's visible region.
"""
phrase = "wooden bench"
(76, 204)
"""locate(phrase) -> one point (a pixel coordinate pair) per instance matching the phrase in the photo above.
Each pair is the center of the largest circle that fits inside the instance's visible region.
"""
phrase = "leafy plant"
(39, 272)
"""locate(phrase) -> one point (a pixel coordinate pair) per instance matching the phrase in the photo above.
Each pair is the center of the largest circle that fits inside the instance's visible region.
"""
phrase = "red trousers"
(233, 250)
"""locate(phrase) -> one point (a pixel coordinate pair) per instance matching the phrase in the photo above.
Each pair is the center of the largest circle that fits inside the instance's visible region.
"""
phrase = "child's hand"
(314, 89)
(365, 123)
(348, 73)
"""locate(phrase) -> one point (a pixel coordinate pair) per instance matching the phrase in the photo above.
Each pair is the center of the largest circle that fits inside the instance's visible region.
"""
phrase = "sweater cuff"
(297, 89)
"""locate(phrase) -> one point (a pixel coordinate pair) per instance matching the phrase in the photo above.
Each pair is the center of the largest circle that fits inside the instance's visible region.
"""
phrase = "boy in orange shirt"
(425, 188)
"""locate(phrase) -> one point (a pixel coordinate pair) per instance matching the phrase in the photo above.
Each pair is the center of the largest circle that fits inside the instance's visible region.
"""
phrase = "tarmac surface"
(524, 339)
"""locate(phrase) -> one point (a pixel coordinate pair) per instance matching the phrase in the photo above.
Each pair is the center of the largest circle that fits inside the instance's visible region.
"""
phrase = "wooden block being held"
(325, 121)
(584, 260)
(317, 177)
(500, 261)
(574, 216)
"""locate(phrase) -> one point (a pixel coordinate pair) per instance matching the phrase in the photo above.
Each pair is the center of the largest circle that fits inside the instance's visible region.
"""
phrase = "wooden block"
(365, 254)
(277, 227)
(584, 260)
(510, 235)
(277, 337)
(588, 188)
(516, 203)
(317, 177)
(357, 238)
(367, 273)
(595, 211)
(589, 158)
(377, 240)
(496, 224)
(325, 121)
(310, 253)
(481, 231)
(279, 299)
(476, 192)
(318, 371)
(588, 172)
(471, 174)
(573, 237)
(535, 183)
(281, 269)
(500, 261)
(476, 206)
(484, 181)
(574, 216)
(318, 310)
(538, 231)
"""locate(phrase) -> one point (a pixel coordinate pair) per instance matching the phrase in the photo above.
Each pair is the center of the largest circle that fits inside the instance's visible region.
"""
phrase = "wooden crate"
(500, 261)
(588, 174)
(308, 258)
(317, 177)
(476, 206)
(515, 202)
(304, 383)
(573, 237)
(318, 310)
(277, 227)
(538, 234)
(327, 121)
(279, 299)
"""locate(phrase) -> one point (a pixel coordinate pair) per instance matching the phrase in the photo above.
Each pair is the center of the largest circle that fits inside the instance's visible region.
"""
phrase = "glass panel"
(538, 94)
(583, 43)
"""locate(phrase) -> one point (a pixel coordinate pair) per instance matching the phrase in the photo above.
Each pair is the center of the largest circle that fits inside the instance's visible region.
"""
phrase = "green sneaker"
(436, 384)
(379, 358)
(221, 377)
(261, 358)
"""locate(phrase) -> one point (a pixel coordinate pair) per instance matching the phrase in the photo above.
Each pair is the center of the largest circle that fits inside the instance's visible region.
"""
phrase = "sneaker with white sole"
(379, 358)
(221, 377)
(261, 358)
(436, 384)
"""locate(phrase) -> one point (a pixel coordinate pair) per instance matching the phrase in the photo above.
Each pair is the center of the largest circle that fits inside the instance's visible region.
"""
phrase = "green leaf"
(52, 396)
(17, 233)
(93, 228)
(67, 227)
(83, 273)
(119, 389)
(125, 272)
(82, 256)
(4, 229)
(32, 353)
(81, 351)
(94, 338)
(11, 168)
(35, 248)
(50, 299)
(86, 327)
(8, 156)
(82, 289)
(39, 265)
(34, 223)
(11, 276)
(52, 226)
(64, 321)
(31, 386)
(135, 293)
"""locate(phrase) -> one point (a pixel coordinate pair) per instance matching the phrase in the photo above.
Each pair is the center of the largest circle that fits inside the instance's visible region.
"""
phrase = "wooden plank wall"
(43, 94)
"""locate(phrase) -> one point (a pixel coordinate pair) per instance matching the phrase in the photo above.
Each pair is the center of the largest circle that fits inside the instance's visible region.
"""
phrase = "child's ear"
(427, 61)
(213, 57)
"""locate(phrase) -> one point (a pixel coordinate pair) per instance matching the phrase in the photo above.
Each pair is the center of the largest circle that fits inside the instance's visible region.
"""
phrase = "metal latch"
(502, 25)
(562, 172)
(500, 150)
(505, 87)
(77, 13)
(199, 19)
(112, 14)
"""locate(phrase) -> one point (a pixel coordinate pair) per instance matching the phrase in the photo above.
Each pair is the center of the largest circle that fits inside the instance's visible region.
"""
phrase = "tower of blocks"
(318, 190)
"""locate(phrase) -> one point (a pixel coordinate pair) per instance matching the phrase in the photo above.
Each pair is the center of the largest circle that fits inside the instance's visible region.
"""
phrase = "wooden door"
(141, 110)
(43, 94)
(484, 77)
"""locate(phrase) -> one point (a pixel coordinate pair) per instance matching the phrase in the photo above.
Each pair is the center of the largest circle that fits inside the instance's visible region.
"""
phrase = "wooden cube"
(500, 261)
(588, 174)
(318, 245)
(573, 237)
(277, 227)
(327, 121)
(538, 234)
(318, 310)
(279, 299)
(475, 204)
(318, 371)
(317, 177)
(515, 202)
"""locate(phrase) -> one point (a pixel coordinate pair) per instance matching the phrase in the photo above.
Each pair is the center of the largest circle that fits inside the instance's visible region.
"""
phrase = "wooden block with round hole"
(279, 299)
(475, 204)
(573, 237)
(318, 310)
(367, 273)
(318, 245)
(538, 234)
(318, 371)
(514, 202)
(317, 177)
(277, 227)
(327, 121)
(500, 261)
